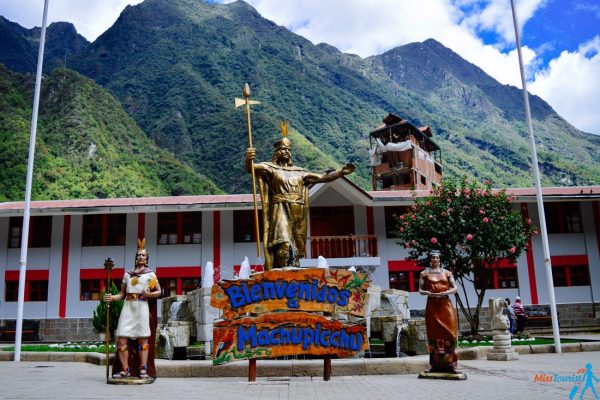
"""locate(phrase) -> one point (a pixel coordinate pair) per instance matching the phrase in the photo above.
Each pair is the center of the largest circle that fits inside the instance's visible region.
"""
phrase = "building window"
(40, 232)
(392, 218)
(178, 280)
(189, 284)
(93, 281)
(168, 287)
(570, 271)
(36, 285)
(243, 225)
(504, 276)
(332, 221)
(180, 228)
(404, 275)
(104, 230)
(11, 291)
(563, 217)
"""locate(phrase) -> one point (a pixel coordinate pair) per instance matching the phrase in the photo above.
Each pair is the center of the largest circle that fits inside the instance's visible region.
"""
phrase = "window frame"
(40, 232)
(181, 227)
(37, 276)
(104, 230)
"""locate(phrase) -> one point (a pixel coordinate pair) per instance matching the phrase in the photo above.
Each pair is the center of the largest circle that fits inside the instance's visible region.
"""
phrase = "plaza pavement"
(487, 380)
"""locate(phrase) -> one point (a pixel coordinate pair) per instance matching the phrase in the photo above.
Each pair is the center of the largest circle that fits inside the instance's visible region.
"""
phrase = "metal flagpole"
(538, 190)
(25, 230)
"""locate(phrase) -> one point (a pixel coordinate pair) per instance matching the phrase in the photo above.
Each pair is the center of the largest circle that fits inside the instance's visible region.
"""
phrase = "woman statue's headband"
(435, 253)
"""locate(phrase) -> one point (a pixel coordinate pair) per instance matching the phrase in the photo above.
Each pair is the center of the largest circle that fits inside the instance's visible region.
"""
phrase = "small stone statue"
(500, 321)
(502, 350)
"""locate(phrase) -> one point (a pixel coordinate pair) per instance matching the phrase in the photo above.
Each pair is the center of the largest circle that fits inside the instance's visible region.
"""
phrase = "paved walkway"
(487, 380)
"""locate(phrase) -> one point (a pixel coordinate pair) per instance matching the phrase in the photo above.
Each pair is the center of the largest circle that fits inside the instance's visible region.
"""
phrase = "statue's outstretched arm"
(311, 178)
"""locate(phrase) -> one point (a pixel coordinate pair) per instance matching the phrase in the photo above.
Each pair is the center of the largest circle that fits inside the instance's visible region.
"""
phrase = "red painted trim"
(596, 209)
(403, 265)
(30, 275)
(141, 226)
(64, 267)
(100, 273)
(217, 244)
(505, 263)
(370, 222)
(530, 262)
(179, 272)
(411, 282)
(569, 260)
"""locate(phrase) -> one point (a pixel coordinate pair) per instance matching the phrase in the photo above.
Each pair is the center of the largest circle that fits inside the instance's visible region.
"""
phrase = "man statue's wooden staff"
(246, 101)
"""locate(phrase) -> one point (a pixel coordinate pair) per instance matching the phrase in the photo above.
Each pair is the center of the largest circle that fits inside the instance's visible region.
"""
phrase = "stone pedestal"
(502, 350)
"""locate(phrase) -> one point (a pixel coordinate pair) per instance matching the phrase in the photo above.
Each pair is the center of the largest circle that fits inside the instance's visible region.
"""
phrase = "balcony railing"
(343, 246)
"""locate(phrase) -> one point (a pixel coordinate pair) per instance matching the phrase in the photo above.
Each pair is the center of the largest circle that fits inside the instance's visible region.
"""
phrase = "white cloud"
(91, 18)
(571, 83)
(496, 16)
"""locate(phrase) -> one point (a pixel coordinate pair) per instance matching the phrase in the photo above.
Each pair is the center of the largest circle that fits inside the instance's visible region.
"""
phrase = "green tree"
(99, 318)
(474, 226)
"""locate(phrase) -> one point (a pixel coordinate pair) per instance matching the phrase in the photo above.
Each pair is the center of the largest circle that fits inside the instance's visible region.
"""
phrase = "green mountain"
(19, 46)
(177, 65)
(87, 146)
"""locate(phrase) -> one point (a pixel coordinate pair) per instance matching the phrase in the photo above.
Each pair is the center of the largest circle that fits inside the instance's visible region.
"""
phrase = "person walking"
(520, 315)
(512, 318)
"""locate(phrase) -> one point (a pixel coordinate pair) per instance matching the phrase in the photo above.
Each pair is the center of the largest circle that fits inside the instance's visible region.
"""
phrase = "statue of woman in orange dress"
(438, 284)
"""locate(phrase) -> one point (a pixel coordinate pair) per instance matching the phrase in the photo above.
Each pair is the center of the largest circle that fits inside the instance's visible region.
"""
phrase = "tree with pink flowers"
(475, 228)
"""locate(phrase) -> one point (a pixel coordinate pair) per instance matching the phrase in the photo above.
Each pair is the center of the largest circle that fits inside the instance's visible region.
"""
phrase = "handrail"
(343, 246)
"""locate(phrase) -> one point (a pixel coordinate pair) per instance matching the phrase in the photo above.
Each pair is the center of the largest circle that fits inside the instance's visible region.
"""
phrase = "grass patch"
(65, 347)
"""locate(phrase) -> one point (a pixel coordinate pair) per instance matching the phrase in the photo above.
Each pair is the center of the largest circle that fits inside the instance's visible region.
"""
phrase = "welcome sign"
(279, 312)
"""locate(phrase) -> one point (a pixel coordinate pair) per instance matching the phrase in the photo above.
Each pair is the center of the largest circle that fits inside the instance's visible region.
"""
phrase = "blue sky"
(561, 38)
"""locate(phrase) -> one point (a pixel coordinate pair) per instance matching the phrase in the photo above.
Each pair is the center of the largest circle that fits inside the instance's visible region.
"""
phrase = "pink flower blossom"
(401, 217)
(469, 236)
(433, 240)
(481, 211)
(485, 220)
(444, 213)
(413, 217)
(413, 241)
(535, 232)
(512, 250)
(406, 245)
(430, 216)
(401, 229)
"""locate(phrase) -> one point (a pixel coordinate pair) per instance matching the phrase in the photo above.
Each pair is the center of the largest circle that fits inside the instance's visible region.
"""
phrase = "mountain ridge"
(177, 77)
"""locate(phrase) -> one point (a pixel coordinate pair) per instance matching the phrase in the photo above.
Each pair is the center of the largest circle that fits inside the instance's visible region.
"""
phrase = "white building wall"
(227, 248)
(591, 242)
(55, 266)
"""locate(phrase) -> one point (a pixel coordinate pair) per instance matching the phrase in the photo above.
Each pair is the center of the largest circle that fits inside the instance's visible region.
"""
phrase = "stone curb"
(280, 368)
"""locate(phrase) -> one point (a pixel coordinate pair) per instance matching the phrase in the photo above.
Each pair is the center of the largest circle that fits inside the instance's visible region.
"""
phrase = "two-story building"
(70, 239)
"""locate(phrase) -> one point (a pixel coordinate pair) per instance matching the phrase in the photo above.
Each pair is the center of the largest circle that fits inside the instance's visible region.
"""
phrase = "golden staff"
(247, 102)
(108, 266)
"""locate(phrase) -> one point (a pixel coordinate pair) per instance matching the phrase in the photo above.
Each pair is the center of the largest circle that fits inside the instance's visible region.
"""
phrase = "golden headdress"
(283, 126)
(142, 245)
